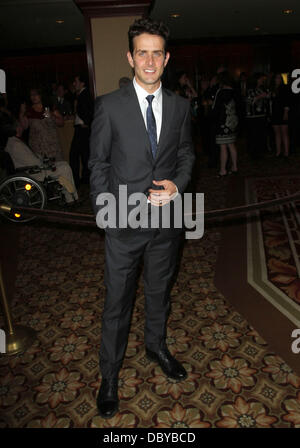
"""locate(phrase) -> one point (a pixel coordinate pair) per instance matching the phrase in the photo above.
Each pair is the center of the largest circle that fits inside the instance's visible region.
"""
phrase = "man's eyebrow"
(152, 51)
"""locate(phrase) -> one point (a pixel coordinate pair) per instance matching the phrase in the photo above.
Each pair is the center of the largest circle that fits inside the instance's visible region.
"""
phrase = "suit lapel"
(136, 116)
(167, 115)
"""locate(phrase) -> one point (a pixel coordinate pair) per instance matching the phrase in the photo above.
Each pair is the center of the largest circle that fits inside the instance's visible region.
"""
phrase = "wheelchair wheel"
(22, 191)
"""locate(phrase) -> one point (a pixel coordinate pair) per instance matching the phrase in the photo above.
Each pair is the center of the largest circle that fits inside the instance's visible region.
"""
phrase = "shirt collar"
(142, 93)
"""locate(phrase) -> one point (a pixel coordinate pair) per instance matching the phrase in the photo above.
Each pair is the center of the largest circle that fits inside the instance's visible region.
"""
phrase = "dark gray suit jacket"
(120, 152)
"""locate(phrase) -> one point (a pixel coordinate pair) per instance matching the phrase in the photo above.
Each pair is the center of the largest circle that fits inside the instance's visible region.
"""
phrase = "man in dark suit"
(140, 138)
(80, 144)
(61, 103)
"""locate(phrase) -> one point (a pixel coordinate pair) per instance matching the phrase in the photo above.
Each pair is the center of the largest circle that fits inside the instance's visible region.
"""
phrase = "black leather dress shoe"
(107, 399)
(169, 365)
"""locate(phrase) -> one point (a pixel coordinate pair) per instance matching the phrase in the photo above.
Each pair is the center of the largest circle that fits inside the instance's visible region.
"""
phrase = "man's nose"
(150, 59)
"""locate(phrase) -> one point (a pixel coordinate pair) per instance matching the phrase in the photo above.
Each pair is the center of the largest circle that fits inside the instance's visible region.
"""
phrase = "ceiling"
(31, 24)
(220, 18)
(28, 24)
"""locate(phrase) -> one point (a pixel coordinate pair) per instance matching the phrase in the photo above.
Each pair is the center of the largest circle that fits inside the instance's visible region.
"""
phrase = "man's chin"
(149, 81)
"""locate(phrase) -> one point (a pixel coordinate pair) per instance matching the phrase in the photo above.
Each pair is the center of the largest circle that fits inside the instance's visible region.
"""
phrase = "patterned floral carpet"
(280, 230)
(234, 380)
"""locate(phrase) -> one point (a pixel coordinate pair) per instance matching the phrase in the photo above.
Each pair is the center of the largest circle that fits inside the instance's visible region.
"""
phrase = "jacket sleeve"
(100, 150)
(185, 153)
(85, 108)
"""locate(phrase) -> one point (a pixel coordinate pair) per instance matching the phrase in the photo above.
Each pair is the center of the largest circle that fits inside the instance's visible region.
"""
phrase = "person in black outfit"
(209, 134)
(70, 95)
(184, 88)
(207, 101)
(80, 143)
(257, 110)
(280, 102)
(202, 115)
(241, 91)
(293, 122)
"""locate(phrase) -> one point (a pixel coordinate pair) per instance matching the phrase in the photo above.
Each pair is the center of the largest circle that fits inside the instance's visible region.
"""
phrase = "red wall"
(22, 72)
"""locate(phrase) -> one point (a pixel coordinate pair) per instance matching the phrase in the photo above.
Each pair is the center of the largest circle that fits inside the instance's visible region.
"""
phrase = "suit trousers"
(80, 151)
(122, 257)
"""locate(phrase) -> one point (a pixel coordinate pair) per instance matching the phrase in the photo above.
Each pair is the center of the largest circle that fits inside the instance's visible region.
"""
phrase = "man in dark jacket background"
(80, 144)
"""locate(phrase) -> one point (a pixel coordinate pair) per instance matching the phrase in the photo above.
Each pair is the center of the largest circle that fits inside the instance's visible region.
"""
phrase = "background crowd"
(259, 108)
(29, 133)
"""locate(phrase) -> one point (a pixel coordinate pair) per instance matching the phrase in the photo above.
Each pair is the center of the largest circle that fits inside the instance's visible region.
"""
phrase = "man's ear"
(167, 57)
(130, 60)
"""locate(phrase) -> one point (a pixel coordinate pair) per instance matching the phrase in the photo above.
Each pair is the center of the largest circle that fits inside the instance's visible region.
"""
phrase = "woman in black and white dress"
(226, 119)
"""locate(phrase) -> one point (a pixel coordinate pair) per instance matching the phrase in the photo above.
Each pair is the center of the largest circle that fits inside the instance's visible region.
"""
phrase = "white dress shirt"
(156, 105)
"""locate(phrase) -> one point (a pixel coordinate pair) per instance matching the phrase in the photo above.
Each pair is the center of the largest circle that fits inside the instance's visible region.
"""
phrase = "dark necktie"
(151, 125)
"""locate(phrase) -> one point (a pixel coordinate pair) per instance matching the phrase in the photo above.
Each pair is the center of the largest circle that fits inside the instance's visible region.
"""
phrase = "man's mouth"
(149, 71)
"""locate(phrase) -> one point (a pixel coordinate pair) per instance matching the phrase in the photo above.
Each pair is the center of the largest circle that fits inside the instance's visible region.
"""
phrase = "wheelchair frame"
(21, 189)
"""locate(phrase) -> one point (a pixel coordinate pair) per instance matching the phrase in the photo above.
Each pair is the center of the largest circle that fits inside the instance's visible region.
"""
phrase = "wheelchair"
(19, 188)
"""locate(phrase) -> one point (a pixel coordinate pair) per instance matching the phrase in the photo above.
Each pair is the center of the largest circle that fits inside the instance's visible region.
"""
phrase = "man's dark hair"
(148, 26)
(82, 78)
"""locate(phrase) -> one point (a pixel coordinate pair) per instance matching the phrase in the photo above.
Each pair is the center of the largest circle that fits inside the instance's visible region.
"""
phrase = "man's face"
(77, 84)
(183, 80)
(148, 60)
